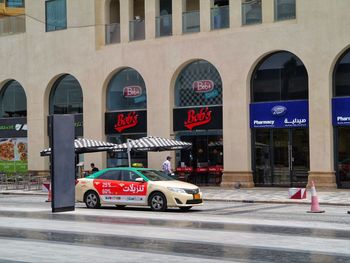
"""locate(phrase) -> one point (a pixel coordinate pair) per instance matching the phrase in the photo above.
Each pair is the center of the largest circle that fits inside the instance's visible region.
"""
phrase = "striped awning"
(152, 144)
(85, 146)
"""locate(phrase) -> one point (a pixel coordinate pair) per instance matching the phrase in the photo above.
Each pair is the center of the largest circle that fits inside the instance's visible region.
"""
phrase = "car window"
(110, 175)
(128, 176)
(155, 175)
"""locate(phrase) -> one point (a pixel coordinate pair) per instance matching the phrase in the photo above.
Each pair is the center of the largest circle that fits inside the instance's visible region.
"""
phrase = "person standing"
(167, 166)
(94, 169)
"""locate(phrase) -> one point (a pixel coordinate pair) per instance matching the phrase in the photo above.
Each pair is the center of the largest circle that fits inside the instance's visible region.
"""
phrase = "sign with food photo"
(13, 155)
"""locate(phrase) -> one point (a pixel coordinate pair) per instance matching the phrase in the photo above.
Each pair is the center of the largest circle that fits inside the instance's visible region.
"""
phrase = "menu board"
(13, 155)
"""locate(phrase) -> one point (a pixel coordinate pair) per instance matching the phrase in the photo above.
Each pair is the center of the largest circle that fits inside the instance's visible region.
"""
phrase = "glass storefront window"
(343, 156)
(120, 159)
(281, 76)
(251, 12)
(342, 76)
(13, 100)
(198, 84)
(66, 96)
(284, 9)
(126, 91)
(205, 159)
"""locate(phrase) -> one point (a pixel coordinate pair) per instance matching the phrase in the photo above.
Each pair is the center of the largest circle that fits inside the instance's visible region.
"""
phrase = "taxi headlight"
(177, 190)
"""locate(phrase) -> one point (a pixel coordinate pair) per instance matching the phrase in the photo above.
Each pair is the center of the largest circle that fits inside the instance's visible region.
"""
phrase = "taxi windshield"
(154, 175)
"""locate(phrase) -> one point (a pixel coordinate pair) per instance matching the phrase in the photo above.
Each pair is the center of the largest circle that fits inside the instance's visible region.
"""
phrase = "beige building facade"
(318, 36)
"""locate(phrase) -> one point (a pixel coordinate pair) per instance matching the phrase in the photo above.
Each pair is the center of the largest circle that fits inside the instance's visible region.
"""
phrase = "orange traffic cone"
(315, 207)
(49, 197)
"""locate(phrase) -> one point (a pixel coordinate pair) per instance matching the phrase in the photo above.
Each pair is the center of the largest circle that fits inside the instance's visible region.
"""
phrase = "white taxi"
(136, 186)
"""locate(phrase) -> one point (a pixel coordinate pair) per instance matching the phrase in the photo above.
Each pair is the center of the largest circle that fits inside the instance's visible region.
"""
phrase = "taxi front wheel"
(92, 200)
(158, 202)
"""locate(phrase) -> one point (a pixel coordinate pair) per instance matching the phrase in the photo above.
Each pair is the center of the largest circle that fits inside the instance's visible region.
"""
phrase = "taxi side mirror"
(139, 180)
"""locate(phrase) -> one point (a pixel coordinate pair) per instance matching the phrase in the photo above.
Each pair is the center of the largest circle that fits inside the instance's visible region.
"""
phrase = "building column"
(235, 13)
(126, 14)
(178, 7)
(93, 115)
(267, 9)
(236, 131)
(38, 139)
(150, 17)
(320, 127)
(204, 13)
(100, 21)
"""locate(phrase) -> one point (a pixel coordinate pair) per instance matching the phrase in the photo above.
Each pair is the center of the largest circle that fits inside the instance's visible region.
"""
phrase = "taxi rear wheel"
(92, 200)
(158, 202)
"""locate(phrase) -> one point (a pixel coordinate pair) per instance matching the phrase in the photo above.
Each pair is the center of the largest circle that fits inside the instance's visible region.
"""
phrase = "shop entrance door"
(280, 157)
(342, 156)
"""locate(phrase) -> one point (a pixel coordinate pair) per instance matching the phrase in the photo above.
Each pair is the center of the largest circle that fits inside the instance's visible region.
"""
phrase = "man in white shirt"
(167, 166)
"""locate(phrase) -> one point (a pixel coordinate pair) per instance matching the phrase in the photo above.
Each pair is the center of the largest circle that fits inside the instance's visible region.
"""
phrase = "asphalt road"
(214, 232)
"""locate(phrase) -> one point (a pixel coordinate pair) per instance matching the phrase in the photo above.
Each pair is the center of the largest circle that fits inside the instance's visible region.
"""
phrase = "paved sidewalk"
(274, 195)
(254, 195)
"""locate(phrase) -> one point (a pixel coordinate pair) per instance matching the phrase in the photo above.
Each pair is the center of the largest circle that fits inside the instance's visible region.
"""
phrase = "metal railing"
(220, 17)
(190, 22)
(21, 181)
(112, 33)
(164, 25)
(137, 30)
(251, 12)
(12, 25)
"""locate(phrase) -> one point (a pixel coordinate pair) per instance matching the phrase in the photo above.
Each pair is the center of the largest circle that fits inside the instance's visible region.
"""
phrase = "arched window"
(66, 96)
(280, 76)
(13, 100)
(198, 84)
(342, 76)
(126, 90)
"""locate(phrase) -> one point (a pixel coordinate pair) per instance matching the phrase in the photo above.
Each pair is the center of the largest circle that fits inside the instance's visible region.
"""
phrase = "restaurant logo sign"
(126, 122)
(197, 118)
(132, 91)
(203, 86)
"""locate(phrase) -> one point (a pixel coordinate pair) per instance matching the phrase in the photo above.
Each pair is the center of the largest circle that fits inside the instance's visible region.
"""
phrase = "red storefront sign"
(197, 118)
(125, 121)
(129, 121)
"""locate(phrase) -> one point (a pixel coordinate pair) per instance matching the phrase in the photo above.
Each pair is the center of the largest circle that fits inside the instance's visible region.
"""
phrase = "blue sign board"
(279, 114)
(341, 111)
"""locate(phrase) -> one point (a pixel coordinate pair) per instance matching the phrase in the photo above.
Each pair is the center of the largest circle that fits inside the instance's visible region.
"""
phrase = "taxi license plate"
(196, 196)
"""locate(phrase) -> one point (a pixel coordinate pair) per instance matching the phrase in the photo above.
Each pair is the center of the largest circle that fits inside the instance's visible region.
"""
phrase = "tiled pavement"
(258, 195)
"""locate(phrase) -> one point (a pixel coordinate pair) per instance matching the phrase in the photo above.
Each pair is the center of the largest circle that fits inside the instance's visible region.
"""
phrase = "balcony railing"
(137, 30)
(190, 22)
(251, 12)
(220, 17)
(164, 26)
(12, 25)
(284, 9)
(112, 32)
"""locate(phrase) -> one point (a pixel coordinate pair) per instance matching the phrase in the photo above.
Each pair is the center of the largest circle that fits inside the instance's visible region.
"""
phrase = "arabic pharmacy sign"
(279, 114)
(341, 111)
